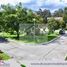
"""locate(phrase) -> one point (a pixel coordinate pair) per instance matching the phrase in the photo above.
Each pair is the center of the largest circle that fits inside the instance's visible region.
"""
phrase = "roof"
(56, 18)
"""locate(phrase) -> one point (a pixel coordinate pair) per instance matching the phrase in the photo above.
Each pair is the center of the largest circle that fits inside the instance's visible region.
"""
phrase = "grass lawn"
(4, 56)
(37, 39)
(30, 38)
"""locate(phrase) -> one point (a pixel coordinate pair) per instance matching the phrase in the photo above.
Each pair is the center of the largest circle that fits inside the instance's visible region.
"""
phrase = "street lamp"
(34, 28)
(34, 20)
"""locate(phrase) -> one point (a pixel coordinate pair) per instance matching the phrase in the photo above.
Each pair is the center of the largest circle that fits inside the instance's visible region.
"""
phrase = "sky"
(52, 5)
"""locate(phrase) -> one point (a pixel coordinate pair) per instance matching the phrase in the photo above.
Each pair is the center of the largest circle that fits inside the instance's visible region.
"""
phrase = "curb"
(45, 43)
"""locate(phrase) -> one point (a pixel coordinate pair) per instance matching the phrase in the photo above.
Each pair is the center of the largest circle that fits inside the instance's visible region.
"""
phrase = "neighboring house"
(56, 18)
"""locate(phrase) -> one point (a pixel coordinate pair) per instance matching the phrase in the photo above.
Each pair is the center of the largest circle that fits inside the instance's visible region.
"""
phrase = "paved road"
(56, 50)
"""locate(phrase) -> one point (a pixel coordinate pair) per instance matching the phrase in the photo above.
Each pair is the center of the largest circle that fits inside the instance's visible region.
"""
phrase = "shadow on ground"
(3, 40)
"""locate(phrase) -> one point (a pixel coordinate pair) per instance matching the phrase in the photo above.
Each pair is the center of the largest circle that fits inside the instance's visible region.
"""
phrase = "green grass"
(30, 38)
(38, 39)
(52, 36)
(7, 35)
(4, 56)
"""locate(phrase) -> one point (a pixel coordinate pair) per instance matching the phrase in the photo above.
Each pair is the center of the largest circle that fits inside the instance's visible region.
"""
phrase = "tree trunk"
(18, 35)
(17, 30)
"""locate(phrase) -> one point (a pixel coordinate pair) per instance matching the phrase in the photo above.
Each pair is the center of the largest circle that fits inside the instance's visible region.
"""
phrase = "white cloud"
(65, 1)
(13, 1)
(40, 2)
(36, 4)
(53, 2)
(48, 2)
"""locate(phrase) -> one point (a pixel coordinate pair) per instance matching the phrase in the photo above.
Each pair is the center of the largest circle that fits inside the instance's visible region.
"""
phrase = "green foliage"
(38, 38)
(65, 18)
(58, 13)
(66, 58)
(53, 25)
(30, 38)
(12, 16)
(44, 14)
(65, 15)
(62, 24)
(3, 56)
(23, 65)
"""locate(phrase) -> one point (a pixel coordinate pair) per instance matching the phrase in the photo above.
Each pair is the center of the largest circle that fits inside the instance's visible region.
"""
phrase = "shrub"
(22, 65)
(66, 58)
(53, 25)
(1, 58)
(1, 51)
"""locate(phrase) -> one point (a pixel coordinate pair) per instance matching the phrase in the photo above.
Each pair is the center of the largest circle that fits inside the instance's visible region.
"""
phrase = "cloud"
(65, 1)
(52, 4)
(13, 1)
(40, 2)
(36, 4)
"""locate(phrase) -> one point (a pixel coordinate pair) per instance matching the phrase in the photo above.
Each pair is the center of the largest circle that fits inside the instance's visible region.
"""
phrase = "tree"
(53, 25)
(8, 13)
(13, 16)
(20, 17)
(58, 13)
(44, 14)
(30, 21)
(62, 24)
(65, 16)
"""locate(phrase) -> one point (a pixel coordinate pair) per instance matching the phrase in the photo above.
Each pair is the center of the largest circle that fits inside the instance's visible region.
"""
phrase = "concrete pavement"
(56, 50)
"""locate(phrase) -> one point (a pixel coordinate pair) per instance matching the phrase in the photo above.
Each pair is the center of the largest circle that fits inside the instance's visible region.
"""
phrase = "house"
(56, 18)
